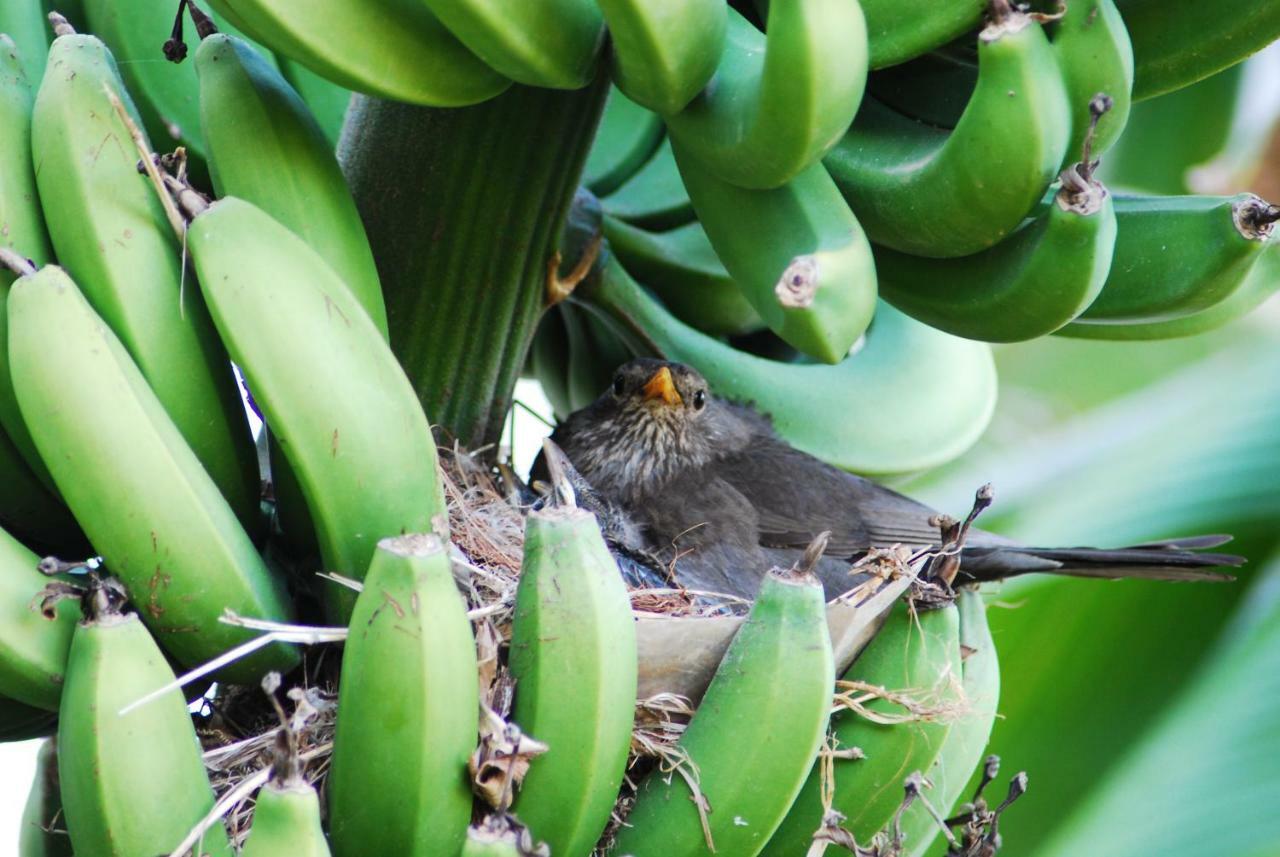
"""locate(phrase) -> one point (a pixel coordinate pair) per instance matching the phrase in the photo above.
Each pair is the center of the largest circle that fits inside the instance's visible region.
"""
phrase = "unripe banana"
(132, 784)
(898, 30)
(33, 649)
(407, 709)
(266, 148)
(863, 420)
(286, 823)
(390, 49)
(43, 833)
(665, 51)
(1095, 57)
(573, 657)
(655, 196)
(24, 24)
(778, 103)
(931, 192)
(19, 722)
(914, 653)
(627, 137)
(750, 744)
(175, 544)
(326, 100)
(112, 236)
(332, 392)
(1030, 284)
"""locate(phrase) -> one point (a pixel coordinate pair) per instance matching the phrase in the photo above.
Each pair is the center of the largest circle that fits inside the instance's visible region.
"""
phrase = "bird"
(708, 488)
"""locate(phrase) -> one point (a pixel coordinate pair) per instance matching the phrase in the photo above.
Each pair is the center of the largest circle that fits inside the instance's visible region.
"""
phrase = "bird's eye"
(617, 385)
(699, 400)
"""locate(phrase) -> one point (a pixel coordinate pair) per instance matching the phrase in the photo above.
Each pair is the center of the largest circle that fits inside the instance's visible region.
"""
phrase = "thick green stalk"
(464, 207)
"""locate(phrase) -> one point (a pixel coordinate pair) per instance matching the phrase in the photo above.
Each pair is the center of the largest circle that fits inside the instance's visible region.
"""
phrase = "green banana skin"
(1176, 256)
(797, 252)
(111, 235)
(384, 48)
(655, 196)
(33, 649)
(266, 148)
(176, 545)
(931, 192)
(42, 833)
(745, 733)
(24, 25)
(683, 270)
(572, 638)
(327, 101)
(1095, 56)
(626, 138)
(407, 710)
(966, 743)
(1178, 42)
(1262, 282)
(117, 771)
(913, 652)
(286, 823)
(898, 31)
(551, 43)
(778, 103)
(1029, 285)
(858, 424)
(665, 51)
(19, 722)
(332, 392)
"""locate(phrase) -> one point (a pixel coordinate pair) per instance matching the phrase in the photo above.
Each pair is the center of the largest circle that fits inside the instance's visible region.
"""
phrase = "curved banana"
(332, 392)
(24, 24)
(175, 544)
(266, 148)
(19, 722)
(654, 196)
(1095, 56)
(326, 100)
(33, 649)
(746, 733)
(111, 235)
(286, 822)
(42, 834)
(1178, 42)
(626, 138)
(385, 48)
(111, 764)
(1030, 284)
(551, 43)
(778, 103)
(914, 653)
(686, 274)
(898, 30)
(932, 192)
(867, 417)
(573, 658)
(665, 51)
(966, 743)
(407, 709)
(1178, 255)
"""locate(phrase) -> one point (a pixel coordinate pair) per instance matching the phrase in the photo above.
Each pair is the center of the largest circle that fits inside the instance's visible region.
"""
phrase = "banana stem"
(16, 262)
(61, 26)
(464, 208)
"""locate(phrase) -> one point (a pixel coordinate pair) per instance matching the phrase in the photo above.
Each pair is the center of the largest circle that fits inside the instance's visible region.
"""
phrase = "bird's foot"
(559, 288)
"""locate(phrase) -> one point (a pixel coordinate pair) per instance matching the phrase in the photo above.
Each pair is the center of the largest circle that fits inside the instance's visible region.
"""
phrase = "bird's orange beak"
(661, 386)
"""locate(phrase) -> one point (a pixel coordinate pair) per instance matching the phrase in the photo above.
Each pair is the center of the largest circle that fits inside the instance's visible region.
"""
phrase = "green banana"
(1178, 42)
(33, 649)
(385, 48)
(176, 543)
(19, 722)
(111, 235)
(24, 23)
(813, 280)
(42, 834)
(898, 31)
(286, 822)
(339, 404)
(1030, 284)
(655, 196)
(665, 51)
(866, 417)
(931, 192)
(915, 653)
(572, 638)
(686, 274)
(266, 148)
(1094, 54)
(551, 43)
(777, 103)
(963, 749)
(1178, 255)
(407, 709)
(326, 100)
(626, 138)
(111, 765)
(745, 733)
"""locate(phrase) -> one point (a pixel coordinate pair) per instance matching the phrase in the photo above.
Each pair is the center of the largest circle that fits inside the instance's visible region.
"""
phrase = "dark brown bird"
(708, 486)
